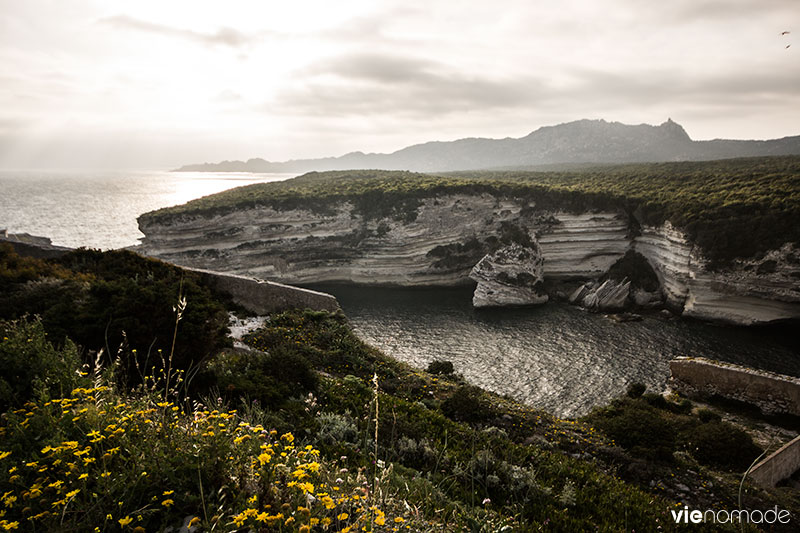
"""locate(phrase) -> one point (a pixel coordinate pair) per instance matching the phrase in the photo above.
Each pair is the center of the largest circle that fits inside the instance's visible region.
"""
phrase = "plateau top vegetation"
(731, 208)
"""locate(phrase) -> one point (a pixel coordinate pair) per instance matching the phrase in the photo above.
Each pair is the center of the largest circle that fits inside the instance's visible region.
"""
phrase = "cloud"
(227, 96)
(225, 36)
(366, 83)
(755, 86)
(721, 10)
(395, 91)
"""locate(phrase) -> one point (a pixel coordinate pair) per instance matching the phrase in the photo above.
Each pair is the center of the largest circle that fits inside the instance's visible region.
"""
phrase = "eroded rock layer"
(441, 239)
(510, 276)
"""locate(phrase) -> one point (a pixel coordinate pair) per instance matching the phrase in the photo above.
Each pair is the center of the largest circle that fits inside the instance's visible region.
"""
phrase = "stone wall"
(772, 393)
(778, 466)
(264, 297)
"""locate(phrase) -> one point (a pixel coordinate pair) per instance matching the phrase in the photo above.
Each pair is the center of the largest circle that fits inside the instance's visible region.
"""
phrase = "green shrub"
(721, 444)
(640, 429)
(336, 429)
(656, 400)
(683, 406)
(467, 404)
(707, 415)
(270, 378)
(440, 367)
(31, 367)
(635, 390)
(324, 339)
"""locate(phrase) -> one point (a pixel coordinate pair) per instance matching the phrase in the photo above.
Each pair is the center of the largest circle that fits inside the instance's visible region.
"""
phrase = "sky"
(158, 84)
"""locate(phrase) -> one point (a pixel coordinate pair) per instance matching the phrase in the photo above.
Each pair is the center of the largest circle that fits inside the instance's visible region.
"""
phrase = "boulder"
(510, 276)
(647, 299)
(609, 296)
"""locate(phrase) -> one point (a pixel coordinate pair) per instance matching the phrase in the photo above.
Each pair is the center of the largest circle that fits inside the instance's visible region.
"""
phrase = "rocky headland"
(519, 249)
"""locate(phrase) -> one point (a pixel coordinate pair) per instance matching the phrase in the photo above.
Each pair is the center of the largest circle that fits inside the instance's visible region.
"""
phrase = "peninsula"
(712, 240)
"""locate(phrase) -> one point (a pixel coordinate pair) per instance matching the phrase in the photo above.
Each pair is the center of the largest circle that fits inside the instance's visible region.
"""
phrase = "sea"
(556, 357)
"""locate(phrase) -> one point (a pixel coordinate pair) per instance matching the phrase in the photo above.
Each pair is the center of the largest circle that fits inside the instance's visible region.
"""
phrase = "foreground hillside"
(306, 429)
(721, 236)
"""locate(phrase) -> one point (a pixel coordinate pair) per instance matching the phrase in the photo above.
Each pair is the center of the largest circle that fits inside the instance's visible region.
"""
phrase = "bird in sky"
(785, 32)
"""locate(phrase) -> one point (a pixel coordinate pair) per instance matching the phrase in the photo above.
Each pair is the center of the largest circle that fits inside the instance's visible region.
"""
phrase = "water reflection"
(554, 356)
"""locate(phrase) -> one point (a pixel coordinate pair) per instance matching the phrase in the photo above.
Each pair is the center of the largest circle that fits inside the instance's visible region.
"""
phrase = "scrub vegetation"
(307, 429)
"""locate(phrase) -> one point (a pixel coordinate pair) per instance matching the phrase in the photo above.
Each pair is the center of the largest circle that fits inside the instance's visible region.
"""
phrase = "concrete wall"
(772, 393)
(257, 296)
(777, 466)
(264, 297)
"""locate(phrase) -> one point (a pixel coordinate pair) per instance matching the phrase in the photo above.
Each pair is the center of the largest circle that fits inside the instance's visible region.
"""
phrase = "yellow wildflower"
(125, 521)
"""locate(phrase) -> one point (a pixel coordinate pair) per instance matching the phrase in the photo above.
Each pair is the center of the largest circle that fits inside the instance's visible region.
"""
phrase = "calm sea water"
(555, 356)
(99, 209)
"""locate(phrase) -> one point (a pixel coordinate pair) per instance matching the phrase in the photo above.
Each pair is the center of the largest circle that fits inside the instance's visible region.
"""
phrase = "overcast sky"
(156, 84)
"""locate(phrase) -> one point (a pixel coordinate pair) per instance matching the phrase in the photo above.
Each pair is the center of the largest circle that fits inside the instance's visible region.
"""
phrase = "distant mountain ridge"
(581, 141)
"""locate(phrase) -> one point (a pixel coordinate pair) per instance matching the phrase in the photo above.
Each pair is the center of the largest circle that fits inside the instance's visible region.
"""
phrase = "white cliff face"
(583, 246)
(450, 234)
(673, 259)
(746, 293)
(510, 276)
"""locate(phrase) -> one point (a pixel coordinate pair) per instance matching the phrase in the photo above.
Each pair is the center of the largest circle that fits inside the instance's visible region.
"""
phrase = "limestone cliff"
(449, 234)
